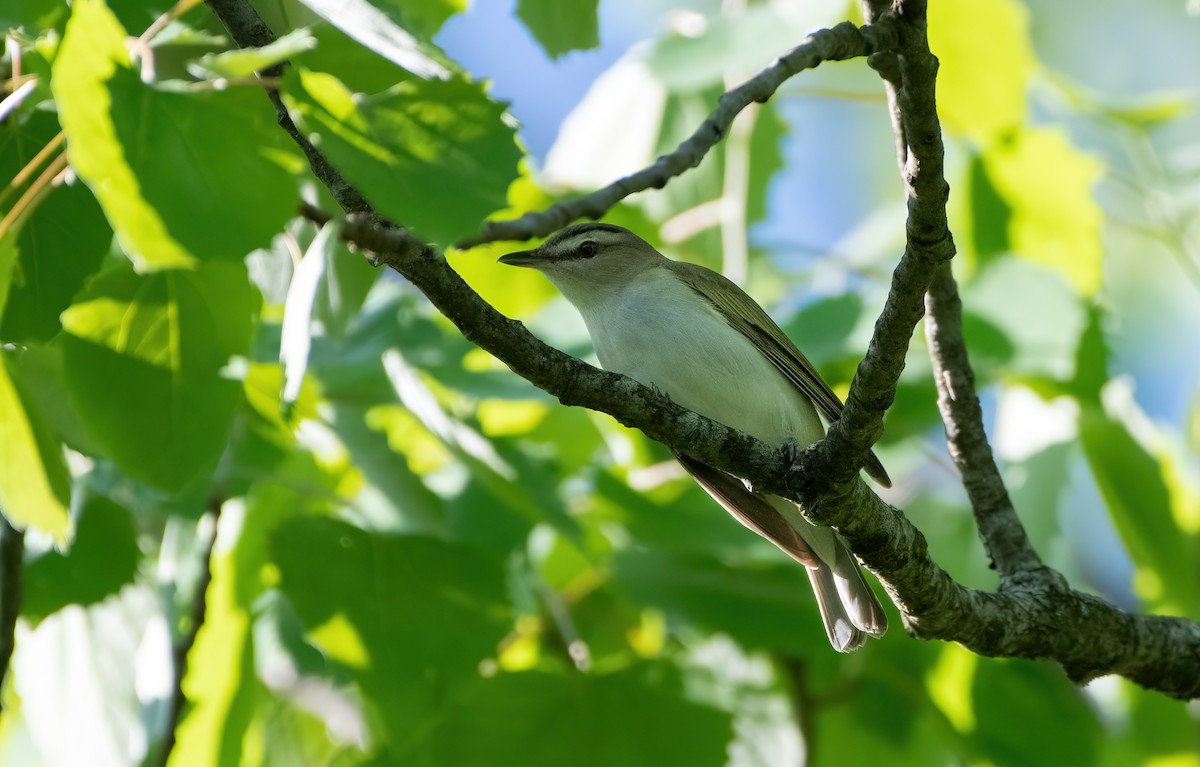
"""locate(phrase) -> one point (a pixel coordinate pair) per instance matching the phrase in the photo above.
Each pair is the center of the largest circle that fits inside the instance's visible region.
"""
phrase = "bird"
(696, 336)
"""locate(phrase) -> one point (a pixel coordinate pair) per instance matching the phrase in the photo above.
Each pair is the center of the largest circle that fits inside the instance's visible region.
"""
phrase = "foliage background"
(414, 557)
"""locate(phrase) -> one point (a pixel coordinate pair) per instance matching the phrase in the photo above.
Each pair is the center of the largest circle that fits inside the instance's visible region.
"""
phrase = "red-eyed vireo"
(700, 339)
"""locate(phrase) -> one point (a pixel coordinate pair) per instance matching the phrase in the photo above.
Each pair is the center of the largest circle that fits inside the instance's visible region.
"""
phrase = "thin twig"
(845, 41)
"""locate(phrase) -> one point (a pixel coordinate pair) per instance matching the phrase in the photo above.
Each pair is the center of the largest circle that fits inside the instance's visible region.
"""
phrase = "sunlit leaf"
(374, 29)
(138, 146)
(34, 484)
(244, 62)
(984, 41)
(58, 246)
(561, 26)
(409, 617)
(295, 338)
(143, 358)
(1055, 219)
(1131, 480)
(437, 155)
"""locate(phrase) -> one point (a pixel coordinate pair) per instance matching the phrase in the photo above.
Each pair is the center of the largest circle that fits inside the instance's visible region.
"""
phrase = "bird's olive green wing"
(748, 318)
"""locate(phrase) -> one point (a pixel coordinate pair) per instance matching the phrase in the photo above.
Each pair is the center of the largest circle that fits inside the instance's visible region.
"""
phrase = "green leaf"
(1015, 699)
(561, 26)
(544, 720)
(176, 183)
(1135, 490)
(1055, 222)
(408, 618)
(244, 62)
(58, 247)
(738, 44)
(985, 41)
(33, 15)
(437, 155)
(143, 356)
(34, 484)
(760, 607)
(422, 17)
(103, 557)
(380, 32)
(990, 217)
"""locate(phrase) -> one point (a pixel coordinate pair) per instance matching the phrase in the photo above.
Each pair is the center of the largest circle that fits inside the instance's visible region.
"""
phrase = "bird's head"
(586, 261)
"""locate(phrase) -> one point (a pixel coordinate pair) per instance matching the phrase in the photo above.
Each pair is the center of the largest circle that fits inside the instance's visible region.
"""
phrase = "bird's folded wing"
(750, 509)
(747, 317)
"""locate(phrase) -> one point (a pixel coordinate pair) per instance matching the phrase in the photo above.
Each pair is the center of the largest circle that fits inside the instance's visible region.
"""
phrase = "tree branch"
(248, 30)
(845, 41)
(1001, 530)
(1087, 636)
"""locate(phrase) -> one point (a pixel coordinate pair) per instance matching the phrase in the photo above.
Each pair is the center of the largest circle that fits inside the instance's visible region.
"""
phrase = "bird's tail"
(848, 607)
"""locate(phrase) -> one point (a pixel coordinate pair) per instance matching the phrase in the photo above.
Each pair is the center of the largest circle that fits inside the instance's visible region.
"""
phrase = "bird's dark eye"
(588, 249)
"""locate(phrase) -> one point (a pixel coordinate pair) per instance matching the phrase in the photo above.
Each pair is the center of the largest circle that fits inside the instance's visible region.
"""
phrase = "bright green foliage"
(34, 486)
(143, 358)
(420, 559)
(149, 156)
(58, 247)
(434, 153)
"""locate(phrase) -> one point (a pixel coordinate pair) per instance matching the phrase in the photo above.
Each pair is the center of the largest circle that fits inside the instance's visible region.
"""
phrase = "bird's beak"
(522, 258)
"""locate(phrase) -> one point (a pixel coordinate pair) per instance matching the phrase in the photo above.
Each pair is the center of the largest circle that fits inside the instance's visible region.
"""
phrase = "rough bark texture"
(1034, 614)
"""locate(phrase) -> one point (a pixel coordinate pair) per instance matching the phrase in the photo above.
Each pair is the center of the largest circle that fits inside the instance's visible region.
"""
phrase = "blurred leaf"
(1134, 488)
(1091, 359)
(446, 139)
(348, 280)
(985, 41)
(295, 337)
(1043, 328)
(561, 26)
(990, 215)
(136, 146)
(1047, 184)
(143, 358)
(378, 31)
(408, 617)
(537, 720)
(1013, 701)
(822, 328)
(245, 62)
(103, 557)
(882, 722)
(58, 246)
(424, 17)
(417, 508)
(221, 689)
(34, 484)
(737, 45)
(765, 159)
(760, 607)
(33, 15)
